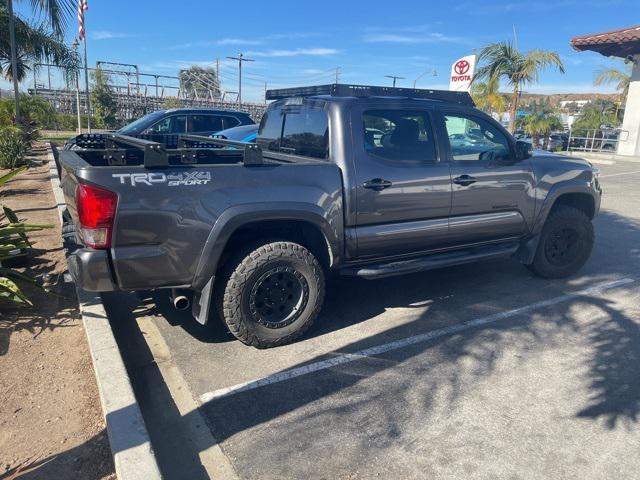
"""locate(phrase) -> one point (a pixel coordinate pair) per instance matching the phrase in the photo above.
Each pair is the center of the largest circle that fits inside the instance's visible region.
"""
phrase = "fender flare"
(556, 191)
(529, 246)
(241, 215)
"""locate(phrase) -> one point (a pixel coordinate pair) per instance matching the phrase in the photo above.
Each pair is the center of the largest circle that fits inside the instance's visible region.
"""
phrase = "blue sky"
(298, 42)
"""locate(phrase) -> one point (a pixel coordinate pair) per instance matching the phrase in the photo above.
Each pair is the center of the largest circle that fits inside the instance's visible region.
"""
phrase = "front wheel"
(271, 294)
(565, 243)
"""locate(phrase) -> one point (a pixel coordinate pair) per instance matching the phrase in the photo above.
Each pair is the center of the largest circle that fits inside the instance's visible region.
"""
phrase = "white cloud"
(295, 35)
(174, 65)
(108, 35)
(238, 41)
(433, 37)
(297, 52)
(222, 41)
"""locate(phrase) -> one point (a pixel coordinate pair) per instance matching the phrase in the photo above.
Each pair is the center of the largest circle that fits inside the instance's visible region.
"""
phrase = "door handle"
(377, 184)
(464, 180)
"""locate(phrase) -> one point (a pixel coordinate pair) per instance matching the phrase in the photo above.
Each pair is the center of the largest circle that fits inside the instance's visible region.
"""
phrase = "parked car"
(244, 133)
(558, 141)
(252, 233)
(164, 126)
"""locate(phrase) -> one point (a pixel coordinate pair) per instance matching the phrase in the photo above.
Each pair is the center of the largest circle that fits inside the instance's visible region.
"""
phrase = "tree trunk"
(514, 109)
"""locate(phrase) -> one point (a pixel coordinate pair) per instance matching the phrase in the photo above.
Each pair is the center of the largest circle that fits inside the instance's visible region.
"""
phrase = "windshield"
(141, 124)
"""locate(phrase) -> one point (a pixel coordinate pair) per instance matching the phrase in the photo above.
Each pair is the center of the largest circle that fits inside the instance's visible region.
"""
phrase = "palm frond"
(621, 79)
(56, 12)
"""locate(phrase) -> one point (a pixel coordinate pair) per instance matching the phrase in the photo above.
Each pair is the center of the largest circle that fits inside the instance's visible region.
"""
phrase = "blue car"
(164, 126)
(243, 133)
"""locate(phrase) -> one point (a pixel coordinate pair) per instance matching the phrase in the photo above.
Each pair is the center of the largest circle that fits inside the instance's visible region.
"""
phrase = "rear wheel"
(271, 294)
(565, 243)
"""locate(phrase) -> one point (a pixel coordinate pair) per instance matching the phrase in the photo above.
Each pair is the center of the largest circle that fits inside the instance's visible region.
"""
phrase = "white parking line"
(341, 359)
(619, 174)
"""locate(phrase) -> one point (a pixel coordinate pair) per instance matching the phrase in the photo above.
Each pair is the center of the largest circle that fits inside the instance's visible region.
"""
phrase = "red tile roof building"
(616, 43)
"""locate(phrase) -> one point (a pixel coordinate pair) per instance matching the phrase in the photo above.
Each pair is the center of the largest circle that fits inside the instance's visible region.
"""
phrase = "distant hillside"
(556, 98)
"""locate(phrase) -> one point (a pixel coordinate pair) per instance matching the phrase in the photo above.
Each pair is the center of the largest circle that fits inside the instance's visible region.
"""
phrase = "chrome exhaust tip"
(180, 302)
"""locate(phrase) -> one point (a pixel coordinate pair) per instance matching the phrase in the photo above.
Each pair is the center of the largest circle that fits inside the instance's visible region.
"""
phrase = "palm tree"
(503, 61)
(621, 79)
(486, 96)
(538, 125)
(36, 43)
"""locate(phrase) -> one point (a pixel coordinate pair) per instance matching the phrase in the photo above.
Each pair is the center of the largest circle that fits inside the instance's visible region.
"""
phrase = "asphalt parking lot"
(478, 371)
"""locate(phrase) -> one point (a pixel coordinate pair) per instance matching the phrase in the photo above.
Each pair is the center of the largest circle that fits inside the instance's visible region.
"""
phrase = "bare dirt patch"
(51, 421)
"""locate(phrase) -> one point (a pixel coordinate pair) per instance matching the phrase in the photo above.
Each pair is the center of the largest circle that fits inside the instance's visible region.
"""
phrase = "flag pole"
(86, 85)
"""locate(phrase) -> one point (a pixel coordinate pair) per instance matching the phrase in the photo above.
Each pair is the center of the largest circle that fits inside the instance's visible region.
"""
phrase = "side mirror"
(523, 150)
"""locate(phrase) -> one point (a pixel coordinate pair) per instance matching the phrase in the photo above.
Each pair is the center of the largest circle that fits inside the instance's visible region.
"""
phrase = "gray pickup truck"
(357, 180)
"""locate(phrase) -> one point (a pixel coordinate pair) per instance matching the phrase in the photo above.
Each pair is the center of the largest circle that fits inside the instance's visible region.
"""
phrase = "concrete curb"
(128, 437)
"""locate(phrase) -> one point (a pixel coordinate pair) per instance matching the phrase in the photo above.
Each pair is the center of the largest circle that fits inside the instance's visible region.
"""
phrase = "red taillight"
(96, 212)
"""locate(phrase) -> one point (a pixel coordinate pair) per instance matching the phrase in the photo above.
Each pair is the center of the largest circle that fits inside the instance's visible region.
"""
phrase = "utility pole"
(337, 74)
(14, 56)
(394, 77)
(265, 93)
(240, 58)
(218, 75)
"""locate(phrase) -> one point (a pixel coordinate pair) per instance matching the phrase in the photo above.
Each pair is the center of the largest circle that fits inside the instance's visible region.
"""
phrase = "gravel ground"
(51, 424)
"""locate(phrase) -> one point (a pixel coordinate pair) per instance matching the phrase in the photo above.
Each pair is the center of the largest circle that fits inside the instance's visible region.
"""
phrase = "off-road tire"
(561, 219)
(243, 274)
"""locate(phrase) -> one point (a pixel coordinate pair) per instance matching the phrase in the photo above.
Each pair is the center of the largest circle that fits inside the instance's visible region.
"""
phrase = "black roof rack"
(343, 90)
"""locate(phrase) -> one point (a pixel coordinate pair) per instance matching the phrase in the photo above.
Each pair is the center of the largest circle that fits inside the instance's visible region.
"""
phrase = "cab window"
(270, 130)
(296, 130)
(306, 133)
(473, 139)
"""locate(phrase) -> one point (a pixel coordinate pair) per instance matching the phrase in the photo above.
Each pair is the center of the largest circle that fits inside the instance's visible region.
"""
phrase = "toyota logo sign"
(461, 67)
(462, 73)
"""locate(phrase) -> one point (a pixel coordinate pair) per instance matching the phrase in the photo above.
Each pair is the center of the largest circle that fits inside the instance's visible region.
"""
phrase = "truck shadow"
(305, 405)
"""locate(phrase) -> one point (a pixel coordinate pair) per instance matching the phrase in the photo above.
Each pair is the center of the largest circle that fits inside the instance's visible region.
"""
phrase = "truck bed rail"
(192, 149)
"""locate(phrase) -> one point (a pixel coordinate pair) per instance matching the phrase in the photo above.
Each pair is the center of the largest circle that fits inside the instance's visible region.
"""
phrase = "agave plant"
(14, 243)
(12, 173)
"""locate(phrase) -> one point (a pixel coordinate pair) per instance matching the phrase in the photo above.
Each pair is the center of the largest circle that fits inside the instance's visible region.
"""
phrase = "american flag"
(83, 6)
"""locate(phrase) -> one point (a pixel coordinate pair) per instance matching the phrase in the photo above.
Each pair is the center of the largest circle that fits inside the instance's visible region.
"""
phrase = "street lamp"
(434, 73)
(75, 46)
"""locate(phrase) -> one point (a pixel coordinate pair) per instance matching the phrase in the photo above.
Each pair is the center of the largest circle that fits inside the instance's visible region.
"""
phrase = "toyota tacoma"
(358, 180)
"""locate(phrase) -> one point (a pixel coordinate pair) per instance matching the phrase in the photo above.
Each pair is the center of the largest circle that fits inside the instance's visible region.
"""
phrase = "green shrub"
(13, 147)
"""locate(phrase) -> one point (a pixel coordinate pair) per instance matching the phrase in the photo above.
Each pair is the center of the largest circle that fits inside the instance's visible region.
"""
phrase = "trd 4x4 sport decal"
(195, 177)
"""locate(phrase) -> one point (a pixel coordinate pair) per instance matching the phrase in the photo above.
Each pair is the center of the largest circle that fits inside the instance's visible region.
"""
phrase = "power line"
(395, 77)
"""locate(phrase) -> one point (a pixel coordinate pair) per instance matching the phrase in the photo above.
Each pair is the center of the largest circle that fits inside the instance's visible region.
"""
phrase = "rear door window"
(399, 135)
(205, 123)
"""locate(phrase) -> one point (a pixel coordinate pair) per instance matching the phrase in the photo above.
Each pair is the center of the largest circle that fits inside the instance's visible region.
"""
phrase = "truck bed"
(166, 216)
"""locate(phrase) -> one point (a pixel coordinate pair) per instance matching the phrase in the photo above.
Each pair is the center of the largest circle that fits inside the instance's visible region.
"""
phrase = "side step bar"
(431, 262)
